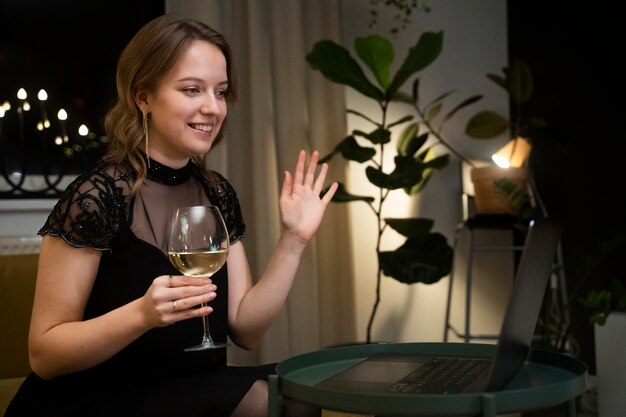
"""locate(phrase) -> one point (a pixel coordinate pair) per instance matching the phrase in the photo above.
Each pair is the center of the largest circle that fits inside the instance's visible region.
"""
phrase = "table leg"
(571, 408)
(489, 405)
(275, 397)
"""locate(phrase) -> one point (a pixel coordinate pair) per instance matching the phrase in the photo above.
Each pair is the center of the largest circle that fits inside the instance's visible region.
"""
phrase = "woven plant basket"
(497, 190)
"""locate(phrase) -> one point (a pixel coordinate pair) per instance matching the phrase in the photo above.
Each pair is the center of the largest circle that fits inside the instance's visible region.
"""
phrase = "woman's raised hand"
(301, 206)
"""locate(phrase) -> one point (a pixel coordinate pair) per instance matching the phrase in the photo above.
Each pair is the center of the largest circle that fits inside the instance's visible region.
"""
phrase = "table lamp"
(513, 154)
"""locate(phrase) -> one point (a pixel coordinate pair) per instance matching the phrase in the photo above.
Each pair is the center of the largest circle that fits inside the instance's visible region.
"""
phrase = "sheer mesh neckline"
(165, 175)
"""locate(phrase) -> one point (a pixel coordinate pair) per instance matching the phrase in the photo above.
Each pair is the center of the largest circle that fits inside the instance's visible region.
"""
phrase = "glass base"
(207, 344)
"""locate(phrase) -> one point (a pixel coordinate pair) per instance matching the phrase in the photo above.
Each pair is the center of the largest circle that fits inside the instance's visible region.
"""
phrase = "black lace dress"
(153, 376)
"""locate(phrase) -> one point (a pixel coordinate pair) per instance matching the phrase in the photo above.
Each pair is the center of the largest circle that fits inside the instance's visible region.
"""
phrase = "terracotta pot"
(493, 199)
(610, 365)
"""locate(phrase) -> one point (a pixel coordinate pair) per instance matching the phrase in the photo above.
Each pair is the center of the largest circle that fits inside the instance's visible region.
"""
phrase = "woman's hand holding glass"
(172, 298)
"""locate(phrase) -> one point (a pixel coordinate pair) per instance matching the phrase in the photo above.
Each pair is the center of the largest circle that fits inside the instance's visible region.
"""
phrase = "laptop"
(445, 374)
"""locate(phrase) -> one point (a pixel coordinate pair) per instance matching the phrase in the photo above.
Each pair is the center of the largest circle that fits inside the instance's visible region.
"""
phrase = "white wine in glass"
(197, 245)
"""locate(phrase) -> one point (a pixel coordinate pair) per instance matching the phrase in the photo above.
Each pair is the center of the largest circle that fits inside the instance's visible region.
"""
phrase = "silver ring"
(174, 306)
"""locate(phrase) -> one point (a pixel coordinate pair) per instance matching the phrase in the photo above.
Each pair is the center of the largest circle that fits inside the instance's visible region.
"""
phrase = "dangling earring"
(145, 132)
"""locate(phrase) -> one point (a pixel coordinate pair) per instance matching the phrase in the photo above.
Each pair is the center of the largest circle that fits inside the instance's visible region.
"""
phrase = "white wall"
(24, 217)
(475, 39)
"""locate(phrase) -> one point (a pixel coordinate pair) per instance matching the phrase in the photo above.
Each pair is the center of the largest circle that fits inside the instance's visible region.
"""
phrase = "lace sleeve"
(223, 195)
(92, 209)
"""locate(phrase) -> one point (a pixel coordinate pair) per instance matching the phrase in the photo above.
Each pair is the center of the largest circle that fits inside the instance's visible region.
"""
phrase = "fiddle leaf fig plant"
(425, 256)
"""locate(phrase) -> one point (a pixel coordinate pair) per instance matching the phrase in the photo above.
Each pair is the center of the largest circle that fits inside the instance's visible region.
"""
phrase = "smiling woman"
(112, 317)
(58, 61)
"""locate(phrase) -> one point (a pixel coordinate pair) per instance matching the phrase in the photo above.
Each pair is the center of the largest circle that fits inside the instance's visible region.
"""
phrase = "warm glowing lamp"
(513, 154)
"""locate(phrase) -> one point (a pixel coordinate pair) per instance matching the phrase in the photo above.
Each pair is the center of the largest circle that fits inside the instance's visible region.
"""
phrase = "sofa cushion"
(8, 388)
(18, 274)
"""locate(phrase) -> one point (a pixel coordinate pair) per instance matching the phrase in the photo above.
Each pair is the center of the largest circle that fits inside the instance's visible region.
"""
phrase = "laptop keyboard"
(442, 376)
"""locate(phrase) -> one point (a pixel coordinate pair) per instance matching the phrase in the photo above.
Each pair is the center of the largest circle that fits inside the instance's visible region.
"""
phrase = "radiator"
(19, 245)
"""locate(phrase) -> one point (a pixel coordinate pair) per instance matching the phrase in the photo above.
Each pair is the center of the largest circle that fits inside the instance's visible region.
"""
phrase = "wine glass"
(197, 245)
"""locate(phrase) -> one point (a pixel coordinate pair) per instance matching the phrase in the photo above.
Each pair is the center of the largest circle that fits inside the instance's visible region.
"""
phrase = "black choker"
(165, 175)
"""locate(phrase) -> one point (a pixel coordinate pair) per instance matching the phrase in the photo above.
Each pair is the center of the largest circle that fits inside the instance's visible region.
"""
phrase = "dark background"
(578, 159)
(70, 49)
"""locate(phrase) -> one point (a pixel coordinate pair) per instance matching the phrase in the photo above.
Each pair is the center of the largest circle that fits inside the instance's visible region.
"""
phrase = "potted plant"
(605, 300)
(503, 189)
(425, 256)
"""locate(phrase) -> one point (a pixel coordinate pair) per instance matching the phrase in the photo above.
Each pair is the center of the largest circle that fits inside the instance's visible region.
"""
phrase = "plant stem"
(379, 273)
(382, 195)
(440, 138)
(376, 302)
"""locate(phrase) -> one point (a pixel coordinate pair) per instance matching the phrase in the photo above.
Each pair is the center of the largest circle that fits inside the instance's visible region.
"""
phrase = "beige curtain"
(283, 107)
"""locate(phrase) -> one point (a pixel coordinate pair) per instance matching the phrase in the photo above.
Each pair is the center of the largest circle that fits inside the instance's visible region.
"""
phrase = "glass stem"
(206, 337)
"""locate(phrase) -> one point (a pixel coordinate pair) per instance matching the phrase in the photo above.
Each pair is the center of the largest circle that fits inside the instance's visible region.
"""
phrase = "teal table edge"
(546, 380)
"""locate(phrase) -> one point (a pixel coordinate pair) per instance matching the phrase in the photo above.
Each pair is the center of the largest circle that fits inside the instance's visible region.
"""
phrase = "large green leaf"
(421, 184)
(411, 227)
(436, 162)
(415, 90)
(402, 97)
(486, 125)
(426, 50)
(351, 150)
(377, 136)
(430, 162)
(377, 53)
(433, 112)
(336, 64)
(426, 259)
(407, 173)
(401, 120)
(407, 138)
(343, 196)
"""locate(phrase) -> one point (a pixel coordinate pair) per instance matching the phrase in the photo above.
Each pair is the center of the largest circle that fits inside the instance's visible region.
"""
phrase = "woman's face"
(188, 106)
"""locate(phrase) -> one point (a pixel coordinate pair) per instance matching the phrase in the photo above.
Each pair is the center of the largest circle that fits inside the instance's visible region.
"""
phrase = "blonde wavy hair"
(147, 58)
